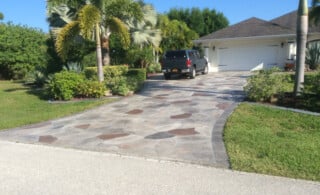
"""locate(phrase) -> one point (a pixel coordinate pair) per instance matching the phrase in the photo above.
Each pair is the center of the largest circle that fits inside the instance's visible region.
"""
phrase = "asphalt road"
(37, 169)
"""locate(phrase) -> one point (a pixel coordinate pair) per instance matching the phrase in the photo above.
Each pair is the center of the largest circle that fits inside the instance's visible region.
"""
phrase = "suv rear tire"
(193, 73)
(205, 70)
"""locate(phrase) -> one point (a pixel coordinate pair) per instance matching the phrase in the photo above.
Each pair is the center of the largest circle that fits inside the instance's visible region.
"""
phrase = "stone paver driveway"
(178, 119)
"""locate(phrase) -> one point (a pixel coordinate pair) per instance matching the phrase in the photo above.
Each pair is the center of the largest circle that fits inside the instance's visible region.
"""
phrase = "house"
(254, 44)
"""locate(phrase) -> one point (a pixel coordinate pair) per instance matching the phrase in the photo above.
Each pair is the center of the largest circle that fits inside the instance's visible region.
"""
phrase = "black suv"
(187, 62)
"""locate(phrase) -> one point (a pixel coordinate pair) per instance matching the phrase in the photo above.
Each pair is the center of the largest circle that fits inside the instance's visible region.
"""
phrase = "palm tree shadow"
(41, 93)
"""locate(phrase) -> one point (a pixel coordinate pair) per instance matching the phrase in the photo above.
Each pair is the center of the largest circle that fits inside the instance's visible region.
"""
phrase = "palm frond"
(59, 16)
(98, 4)
(117, 26)
(65, 38)
(89, 17)
(145, 32)
(150, 15)
(73, 3)
(314, 14)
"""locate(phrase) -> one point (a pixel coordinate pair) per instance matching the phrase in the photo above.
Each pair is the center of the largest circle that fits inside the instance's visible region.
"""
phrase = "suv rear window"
(175, 54)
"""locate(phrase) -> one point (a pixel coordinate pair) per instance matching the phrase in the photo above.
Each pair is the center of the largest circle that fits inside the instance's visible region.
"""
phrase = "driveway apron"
(178, 120)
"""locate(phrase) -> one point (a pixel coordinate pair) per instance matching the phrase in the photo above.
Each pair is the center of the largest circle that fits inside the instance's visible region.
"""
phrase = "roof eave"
(246, 38)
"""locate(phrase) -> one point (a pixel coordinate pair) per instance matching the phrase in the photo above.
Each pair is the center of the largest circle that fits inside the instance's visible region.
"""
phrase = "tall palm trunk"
(99, 54)
(302, 32)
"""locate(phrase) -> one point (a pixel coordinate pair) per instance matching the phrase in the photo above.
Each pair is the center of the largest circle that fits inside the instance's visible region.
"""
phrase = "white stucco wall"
(245, 54)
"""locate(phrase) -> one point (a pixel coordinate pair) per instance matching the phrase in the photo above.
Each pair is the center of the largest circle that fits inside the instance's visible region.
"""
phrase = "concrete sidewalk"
(38, 169)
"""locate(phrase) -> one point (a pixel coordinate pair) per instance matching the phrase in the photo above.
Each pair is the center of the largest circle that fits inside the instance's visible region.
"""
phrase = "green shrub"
(154, 68)
(63, 85)
(115, 71)
(108, 71)
(312, 84)
(136, 78)
(91, 89)
(139, 73)
(23, 50)
(91, 73)
(313, 55)
(121, 88)
(267, 83)
(119, 79)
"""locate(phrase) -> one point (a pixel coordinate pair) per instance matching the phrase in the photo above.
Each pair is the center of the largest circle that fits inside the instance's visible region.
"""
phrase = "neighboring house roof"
(255, 27)
(252, 27)
(290, 20)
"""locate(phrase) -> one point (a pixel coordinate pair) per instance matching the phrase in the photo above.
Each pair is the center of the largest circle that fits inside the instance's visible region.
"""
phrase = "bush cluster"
(154, 68)
(136, 78)
(265, 84)
(312, 84)
(91, 89)
(23, 50)
(119, 79)
(66, 85)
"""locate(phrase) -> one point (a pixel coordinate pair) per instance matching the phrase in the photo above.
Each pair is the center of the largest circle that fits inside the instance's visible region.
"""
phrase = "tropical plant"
(74, 67)
(313, 55)
(140, 57)
(92, 22)
(314, 14)
(302, 31)
(145, 32)
(36, 78)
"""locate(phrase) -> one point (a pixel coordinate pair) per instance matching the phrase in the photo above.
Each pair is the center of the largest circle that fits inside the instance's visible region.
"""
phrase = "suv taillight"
(188, 63)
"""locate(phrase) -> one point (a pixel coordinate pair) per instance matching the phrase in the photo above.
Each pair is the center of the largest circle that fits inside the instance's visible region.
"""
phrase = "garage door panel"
(247, 58)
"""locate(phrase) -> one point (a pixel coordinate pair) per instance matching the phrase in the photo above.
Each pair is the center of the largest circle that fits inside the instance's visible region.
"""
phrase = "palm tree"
(144, 32)
(302, 32)
(1, 16)
(314, 14)
(87, 25)
(91, 22)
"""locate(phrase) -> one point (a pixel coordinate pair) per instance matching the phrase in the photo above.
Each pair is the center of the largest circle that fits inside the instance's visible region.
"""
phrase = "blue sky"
(33, 12)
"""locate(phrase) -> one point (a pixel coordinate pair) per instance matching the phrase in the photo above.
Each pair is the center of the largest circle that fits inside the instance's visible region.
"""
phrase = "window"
(175, 54)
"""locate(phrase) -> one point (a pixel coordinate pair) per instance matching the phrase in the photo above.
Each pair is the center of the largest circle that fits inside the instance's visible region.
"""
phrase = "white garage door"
(247, 58)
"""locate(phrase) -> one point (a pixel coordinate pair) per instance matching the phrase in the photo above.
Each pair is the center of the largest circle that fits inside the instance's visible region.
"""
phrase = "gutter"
(246, 38)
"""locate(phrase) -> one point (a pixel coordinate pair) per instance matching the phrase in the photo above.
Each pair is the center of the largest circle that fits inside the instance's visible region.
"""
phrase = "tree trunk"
(106, 58)
(302, 32)
(99, 55)
(106, 48)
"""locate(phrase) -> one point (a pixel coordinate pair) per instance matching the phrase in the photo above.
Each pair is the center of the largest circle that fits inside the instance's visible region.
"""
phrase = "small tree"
(23, 50)
(175, 34)
(313, 55)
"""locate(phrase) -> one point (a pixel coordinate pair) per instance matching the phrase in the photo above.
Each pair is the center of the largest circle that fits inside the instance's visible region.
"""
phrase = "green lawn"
(272, 141)
(21, 105)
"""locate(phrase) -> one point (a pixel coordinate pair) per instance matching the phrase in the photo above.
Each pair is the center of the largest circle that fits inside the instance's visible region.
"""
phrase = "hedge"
(119, 79)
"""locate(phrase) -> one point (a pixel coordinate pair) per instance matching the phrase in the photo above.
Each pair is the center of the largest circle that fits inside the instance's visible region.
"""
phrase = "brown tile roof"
(252, 27)
(290, 20)
(255, 27)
